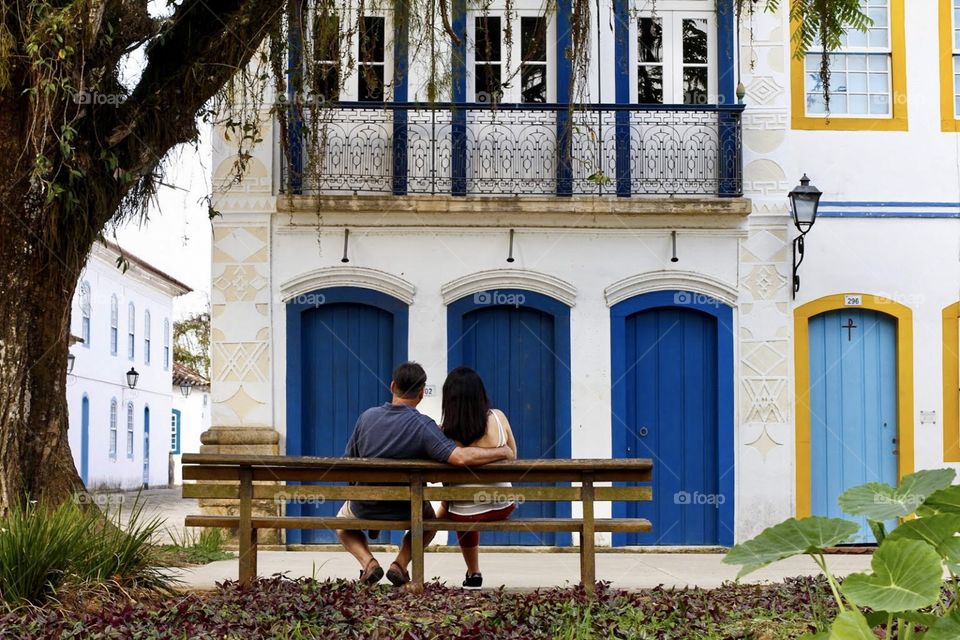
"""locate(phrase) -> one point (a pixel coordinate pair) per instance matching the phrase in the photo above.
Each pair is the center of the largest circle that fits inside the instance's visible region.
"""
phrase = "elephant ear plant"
(905, 589)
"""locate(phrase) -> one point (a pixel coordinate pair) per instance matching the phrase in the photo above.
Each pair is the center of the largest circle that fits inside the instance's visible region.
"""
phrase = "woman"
(469, 421)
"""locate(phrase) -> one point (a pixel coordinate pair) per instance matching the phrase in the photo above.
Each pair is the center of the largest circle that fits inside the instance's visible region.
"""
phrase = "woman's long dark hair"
(465, 406)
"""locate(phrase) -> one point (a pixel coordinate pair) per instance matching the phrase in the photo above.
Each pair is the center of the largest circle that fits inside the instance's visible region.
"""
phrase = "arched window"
(130, 430)
(114, 324)
(131, 330)
(146, 337)
(85, 313)
(113, 429)
(166, 344)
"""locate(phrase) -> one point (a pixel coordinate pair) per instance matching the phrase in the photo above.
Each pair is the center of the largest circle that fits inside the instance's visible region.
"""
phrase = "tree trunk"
(36, 290)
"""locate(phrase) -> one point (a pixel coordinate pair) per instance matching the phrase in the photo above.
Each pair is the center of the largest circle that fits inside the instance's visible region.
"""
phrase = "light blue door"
(85, 440)
(853, 406)
(518, 342)
(343, 346)
(146, 446)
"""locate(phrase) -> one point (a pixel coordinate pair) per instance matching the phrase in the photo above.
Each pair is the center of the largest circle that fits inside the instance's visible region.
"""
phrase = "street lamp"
(132, 378)
(804, 202)
(71, 360)
(185, 389)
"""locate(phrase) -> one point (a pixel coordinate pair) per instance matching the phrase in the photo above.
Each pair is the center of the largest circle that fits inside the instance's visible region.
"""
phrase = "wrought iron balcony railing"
(510, 149)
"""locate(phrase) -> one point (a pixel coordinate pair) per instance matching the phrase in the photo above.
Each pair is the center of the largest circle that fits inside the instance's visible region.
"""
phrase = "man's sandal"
(397, 575)
(372, 573)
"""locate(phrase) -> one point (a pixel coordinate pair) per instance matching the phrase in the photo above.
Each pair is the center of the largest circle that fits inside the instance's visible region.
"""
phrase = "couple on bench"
(472, 434)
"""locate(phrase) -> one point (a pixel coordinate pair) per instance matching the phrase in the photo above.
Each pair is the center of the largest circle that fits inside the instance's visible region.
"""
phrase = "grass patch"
(298, 609)
(190, 548)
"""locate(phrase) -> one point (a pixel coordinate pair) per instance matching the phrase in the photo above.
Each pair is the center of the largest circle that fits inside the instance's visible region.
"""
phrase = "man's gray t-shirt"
(398, 432)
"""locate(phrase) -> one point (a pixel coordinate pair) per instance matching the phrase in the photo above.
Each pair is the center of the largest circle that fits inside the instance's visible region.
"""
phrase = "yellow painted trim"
(898, 69)
(905, 430)
(951, 383)
(948, 117)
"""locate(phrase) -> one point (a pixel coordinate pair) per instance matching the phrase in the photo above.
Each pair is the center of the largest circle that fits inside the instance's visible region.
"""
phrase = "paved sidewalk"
(532, 570)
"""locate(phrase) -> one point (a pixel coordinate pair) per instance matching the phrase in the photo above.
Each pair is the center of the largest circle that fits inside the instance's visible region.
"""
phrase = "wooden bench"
(251, 478)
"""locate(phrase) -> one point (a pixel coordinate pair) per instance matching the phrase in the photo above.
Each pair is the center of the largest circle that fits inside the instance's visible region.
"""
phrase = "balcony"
(517, 150)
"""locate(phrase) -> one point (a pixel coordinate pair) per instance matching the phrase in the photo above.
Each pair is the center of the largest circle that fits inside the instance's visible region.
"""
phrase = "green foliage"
(191, 548)
(191, 343)
(905, 588)
(43, 550)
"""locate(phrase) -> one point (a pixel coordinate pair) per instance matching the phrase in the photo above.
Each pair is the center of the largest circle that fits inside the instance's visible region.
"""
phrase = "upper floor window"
(85, 305)
(326, 56)
(351, 58)
(515, 69)
(113, 428)
(131, 330)
(371, 59)
(114, 324)
(950, 64)
(867, 77)
(146, 337)
(676, 58)
(166, 344)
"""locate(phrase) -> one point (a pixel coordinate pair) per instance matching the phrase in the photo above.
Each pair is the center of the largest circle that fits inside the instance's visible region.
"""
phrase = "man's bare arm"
(477, 456)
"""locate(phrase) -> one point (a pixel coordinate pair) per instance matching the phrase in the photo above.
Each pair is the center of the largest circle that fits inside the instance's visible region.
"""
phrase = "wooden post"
(588, 572)
(246, 534)
(416, 528)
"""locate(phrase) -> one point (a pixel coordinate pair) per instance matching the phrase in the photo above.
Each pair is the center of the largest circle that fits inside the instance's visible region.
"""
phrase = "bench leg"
(416, 531)
(246, 534)
(588, 569)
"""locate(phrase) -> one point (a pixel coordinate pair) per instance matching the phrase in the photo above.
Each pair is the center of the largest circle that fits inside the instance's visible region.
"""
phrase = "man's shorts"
(347, 512)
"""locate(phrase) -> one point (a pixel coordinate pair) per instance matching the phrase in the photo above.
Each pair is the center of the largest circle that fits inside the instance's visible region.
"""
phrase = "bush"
(44, 549)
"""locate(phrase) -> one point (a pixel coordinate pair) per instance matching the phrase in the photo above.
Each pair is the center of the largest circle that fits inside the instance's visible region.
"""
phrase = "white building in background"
(120, 436)
(190, 416)
(621, 272)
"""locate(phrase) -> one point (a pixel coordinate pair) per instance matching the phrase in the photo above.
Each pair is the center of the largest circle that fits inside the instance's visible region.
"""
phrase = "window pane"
(326, 82)
(695, 40)
(326, 38)
(534, 80)
(857, 104)
(533, 39)
(487, 83)
(371, 39)
(650, 85)
(880, 105)
(649, 40)
(370, 83)
(695, 85)
(487, 38)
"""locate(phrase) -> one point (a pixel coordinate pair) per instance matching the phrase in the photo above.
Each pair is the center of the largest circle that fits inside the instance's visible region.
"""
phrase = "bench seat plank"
(514, 524)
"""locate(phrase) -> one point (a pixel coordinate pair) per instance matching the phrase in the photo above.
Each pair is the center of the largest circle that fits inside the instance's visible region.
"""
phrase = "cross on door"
(849, 327)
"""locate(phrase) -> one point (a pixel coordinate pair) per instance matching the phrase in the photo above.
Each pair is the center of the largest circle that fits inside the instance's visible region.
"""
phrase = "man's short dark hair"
(409, 379)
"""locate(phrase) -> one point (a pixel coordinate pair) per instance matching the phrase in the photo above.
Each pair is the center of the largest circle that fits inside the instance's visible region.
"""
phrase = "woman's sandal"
(397, 575)
(372, 573)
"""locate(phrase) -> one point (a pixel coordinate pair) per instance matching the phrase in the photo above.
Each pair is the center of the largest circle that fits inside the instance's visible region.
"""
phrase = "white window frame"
(131, 331)
(166, 344)
(815, 54)
(114, 409)
(86, 302)
(955, 56)
(350, 50)
(671, 16)
(146, 337)
(114, 325)
(131, 417)
(512, 94)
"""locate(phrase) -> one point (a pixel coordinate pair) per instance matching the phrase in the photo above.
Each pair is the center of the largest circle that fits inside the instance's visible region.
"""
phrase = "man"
(397, 430)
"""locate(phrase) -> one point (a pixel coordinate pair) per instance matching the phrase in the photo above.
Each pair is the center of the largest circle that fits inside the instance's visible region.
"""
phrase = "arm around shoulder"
(476, 456)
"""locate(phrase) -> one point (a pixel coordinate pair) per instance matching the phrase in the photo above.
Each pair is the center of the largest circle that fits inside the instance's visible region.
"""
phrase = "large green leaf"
(878, 501)
(943, 501)
(947, 628)
(789, 538)
(851, 625)
(936, 530)
(907, 575)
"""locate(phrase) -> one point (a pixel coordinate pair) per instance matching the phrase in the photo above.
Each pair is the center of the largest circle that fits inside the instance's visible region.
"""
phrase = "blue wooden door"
(85, 440)
(670, 415)
(347, 359)
(511, 348)
(853, 406)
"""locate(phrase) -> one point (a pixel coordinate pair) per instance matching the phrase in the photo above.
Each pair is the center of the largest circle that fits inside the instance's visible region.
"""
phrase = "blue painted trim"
(85, 439)
(726, 52)
(401, 80)
(565, 97)
(725, 406)
(868, 203)
(731, 155)
(561, 349)
(175, 450)
(350, 295)
(458, 116)
(929, 215)
(294, 89)
(621, 21)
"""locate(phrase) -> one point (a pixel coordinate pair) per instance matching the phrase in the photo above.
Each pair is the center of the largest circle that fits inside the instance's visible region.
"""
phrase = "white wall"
(194, 420)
